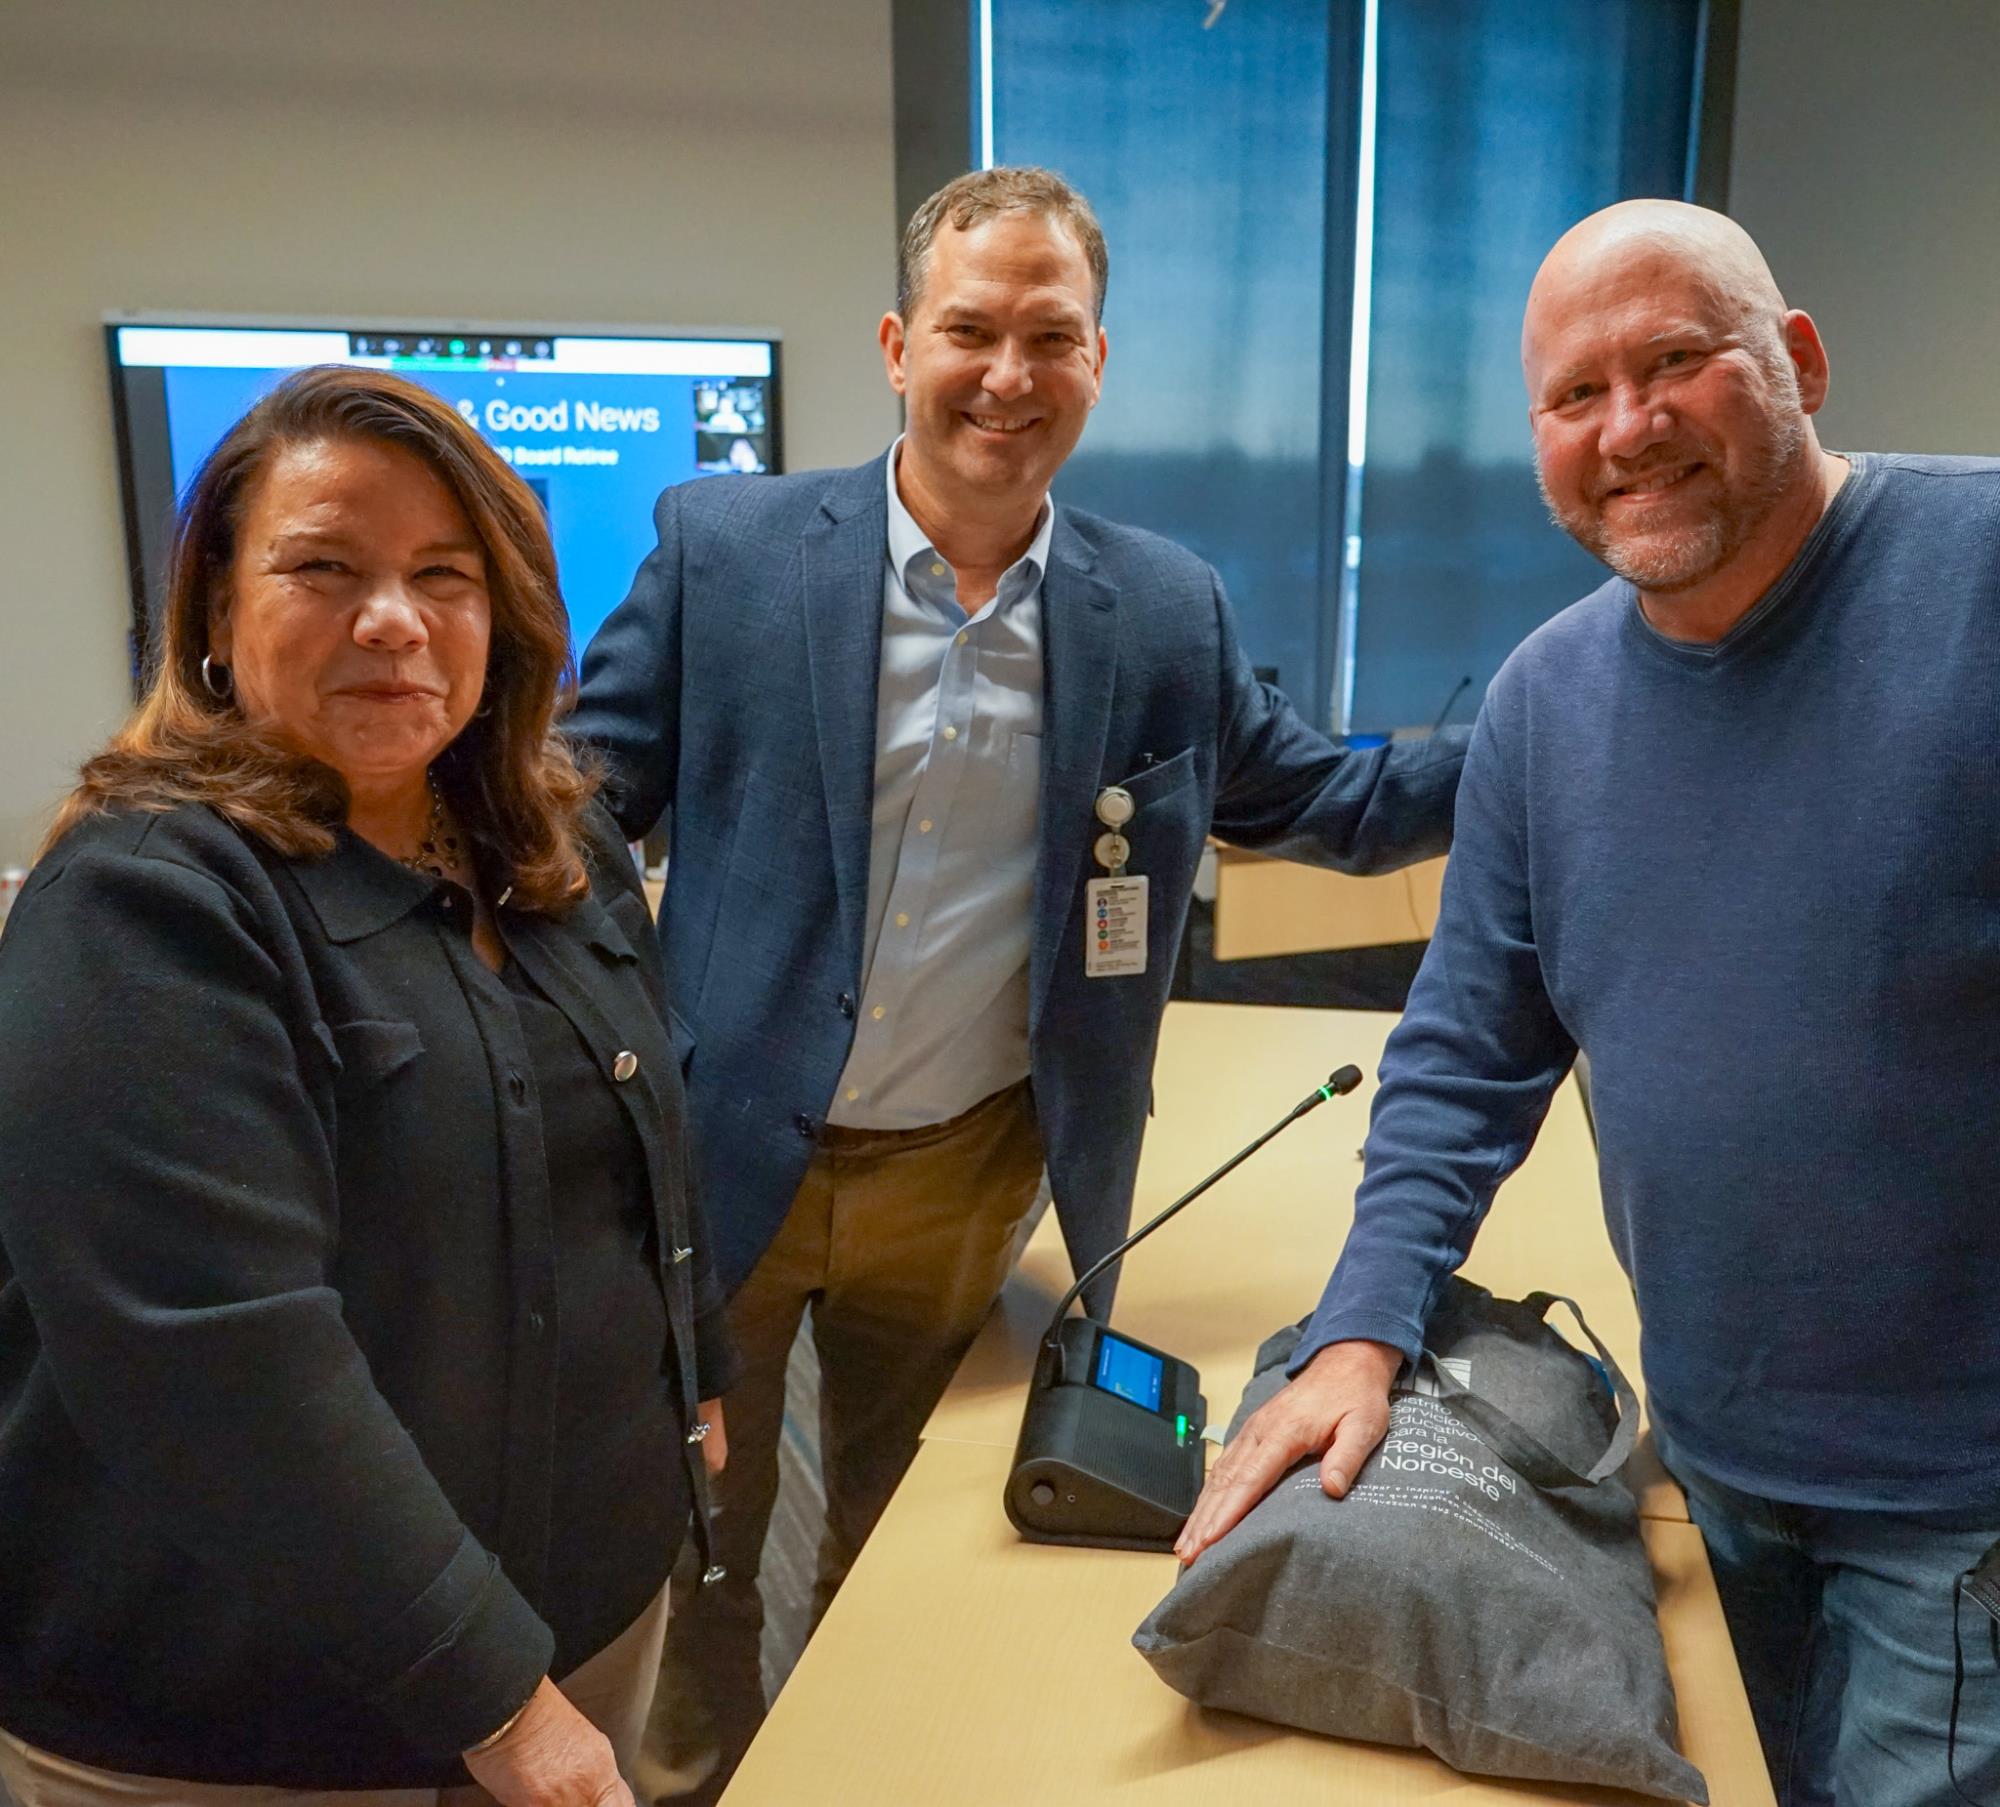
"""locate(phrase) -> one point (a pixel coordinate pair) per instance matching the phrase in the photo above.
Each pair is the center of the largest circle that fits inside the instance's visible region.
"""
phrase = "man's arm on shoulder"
(1466, 1081)
(1282, 787)
(630, 708)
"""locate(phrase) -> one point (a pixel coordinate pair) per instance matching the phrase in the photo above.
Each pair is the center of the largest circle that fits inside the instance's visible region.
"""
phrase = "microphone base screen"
(1110, 1453)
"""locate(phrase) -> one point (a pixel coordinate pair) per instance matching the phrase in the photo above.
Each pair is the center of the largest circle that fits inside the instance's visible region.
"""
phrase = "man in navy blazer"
(881, 708)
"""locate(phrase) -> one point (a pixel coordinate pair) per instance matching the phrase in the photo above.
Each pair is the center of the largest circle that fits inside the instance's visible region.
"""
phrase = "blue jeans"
(1842, 1623)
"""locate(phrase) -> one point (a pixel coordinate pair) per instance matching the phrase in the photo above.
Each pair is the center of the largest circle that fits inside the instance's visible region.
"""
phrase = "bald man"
(1730, 826)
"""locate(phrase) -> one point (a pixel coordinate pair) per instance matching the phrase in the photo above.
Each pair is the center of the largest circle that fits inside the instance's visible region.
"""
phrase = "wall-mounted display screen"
(597, 425)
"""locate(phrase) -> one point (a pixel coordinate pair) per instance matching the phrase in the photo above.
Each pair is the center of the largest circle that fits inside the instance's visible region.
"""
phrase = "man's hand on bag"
(551, 1756)
(1337, 1408)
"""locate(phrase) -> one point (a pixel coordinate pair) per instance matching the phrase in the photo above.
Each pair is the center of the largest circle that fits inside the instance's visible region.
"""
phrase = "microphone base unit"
(1110, 1453)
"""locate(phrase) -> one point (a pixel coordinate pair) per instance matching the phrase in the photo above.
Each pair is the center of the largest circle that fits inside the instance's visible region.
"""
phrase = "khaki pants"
(900, 1240)
(611, 1689)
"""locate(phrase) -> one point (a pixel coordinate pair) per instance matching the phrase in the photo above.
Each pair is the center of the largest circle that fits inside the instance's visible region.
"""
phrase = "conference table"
(961, 1665)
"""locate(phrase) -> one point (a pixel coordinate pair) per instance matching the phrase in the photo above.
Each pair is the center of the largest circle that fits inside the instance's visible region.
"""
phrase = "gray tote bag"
(1482, 1592)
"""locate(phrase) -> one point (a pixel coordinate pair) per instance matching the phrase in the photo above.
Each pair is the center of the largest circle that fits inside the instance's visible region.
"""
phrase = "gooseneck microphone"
(1463, 685)
(1110, 1450)
(1338, 1084)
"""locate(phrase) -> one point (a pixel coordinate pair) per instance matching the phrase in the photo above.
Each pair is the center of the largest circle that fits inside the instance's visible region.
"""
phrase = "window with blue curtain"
(1499, 124)
(1204, 153)
(1220, 148)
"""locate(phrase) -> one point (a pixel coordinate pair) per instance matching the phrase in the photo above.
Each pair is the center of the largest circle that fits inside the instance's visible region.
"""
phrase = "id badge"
(1114, 945)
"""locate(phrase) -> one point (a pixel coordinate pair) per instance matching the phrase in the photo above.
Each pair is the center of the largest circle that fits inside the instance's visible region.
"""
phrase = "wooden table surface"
(962, 1666)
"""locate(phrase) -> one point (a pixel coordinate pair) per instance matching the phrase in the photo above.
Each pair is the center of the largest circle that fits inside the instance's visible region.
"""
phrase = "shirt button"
(961, 639)
(924, 827)
(878, 1013)
(937, 570)
(846, 1004)
(805, 1126)
(517, 1087)
(624, 1066)
(902, 919)
(853, 1092)
(951, 734)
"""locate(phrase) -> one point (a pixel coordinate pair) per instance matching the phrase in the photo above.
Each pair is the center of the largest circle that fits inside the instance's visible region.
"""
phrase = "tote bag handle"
(1524, 1452)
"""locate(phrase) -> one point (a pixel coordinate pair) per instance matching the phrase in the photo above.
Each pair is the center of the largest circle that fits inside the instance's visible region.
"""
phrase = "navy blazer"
(735, 687)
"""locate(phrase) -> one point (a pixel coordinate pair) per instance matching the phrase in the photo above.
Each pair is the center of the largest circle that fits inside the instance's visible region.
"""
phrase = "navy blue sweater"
(1758, 884)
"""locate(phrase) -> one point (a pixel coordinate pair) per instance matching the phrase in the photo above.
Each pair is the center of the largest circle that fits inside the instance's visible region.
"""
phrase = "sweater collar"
(1831, 528)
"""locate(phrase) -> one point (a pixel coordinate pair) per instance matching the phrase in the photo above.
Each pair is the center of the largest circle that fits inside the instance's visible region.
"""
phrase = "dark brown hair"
(513, 782)
(981, 195)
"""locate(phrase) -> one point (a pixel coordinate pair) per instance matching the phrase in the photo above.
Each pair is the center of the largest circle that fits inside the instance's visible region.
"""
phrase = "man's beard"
(1664, 560)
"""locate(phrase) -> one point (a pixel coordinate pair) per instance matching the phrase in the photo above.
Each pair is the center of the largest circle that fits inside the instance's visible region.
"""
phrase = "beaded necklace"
(438, 852)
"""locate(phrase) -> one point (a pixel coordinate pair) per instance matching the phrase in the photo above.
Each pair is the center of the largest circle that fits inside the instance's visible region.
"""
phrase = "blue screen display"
(597, 428)
(1130, 1372)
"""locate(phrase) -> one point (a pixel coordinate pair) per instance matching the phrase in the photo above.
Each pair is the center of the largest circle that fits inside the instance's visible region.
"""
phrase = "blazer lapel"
(1080, 656)
(841, 566)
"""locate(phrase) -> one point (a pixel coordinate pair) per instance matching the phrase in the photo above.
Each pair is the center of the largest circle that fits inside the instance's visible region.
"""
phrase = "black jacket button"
(846, 1004)
(805, 1126)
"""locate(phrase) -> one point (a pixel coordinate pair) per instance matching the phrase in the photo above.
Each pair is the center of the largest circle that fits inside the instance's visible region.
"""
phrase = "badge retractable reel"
(1115, 808)
(1115, 906)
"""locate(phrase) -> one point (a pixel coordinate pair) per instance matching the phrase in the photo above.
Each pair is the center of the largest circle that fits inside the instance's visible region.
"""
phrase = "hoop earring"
(210, 671)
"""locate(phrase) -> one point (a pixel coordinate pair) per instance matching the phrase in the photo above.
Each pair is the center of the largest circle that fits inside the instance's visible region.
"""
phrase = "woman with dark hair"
(358, 1348)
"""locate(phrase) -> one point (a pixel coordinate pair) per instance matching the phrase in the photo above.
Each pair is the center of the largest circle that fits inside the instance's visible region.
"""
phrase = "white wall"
(1867, 164)
(651, 162)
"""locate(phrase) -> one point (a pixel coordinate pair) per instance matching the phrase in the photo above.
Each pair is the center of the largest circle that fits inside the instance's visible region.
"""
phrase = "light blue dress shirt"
(943, 1017)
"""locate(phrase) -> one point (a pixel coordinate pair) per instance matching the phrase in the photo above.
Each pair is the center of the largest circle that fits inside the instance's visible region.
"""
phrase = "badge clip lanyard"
(1114, 906)
(1115, 809)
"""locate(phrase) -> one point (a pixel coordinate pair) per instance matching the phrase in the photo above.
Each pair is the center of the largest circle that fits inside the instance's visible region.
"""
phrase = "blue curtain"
(1216, 156)
(1500, 124)
(1204, 153)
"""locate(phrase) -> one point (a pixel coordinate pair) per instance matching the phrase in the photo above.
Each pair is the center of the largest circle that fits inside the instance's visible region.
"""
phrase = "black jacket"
(277, 1275)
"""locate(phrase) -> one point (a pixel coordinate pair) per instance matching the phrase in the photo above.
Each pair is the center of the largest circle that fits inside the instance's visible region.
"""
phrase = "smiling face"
(357, 620)
(1668, 409)
(999, 364)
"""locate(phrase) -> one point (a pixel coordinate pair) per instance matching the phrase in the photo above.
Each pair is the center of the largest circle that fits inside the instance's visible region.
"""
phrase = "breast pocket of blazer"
(1166, 833)
(1152, 785)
